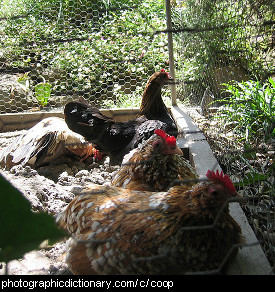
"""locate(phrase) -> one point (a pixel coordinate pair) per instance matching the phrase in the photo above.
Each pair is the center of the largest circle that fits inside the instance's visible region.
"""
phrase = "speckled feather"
(119, 231)
(146, 169)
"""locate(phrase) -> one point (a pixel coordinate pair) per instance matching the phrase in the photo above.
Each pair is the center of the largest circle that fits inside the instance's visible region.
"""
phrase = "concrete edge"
(251, 259)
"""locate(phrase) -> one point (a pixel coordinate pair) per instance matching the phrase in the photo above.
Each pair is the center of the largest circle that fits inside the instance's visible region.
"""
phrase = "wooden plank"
(22, 121)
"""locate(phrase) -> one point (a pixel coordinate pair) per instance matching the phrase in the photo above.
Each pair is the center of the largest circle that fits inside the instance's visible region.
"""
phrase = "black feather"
(110, 137)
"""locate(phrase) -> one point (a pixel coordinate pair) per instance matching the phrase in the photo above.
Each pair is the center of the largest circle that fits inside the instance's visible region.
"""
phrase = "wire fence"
(225, 41)
(215, 43)
(104, 53)
(54, 52)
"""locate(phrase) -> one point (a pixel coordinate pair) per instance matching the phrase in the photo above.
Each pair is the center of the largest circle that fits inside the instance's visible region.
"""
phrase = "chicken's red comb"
(171, 140)
(163, 71)
(223, 178)
(160, 133)
(98, 155)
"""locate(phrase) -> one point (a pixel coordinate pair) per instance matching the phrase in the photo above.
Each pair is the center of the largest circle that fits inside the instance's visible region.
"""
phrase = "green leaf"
(21, 229)
(252, 177)
(43, 93)
(249, 152)
(272, 82)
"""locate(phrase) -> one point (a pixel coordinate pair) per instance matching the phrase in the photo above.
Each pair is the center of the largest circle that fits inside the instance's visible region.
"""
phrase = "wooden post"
(170, 48)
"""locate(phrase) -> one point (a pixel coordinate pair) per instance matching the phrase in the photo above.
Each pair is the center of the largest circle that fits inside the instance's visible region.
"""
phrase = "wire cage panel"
(56, 51)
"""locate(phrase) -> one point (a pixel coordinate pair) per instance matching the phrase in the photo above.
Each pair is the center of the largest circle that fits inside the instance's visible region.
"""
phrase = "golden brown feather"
(119, 231)
(44, 142)
(152, 105)
(154, 166)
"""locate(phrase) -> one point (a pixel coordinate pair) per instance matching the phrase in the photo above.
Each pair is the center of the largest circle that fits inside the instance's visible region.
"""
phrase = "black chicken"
(117, 138)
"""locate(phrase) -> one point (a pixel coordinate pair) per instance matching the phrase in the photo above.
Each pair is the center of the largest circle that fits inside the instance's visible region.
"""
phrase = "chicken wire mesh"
(217, 43)
(56, 51)
(252, 171)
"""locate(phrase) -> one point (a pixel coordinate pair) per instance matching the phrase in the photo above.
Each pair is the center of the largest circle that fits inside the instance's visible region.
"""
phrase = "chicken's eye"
(215, 193)
(157, 145)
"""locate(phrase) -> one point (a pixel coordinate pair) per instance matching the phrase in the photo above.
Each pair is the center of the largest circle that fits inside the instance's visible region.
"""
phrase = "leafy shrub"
(114, 45)
(252, 106)
(222, 35)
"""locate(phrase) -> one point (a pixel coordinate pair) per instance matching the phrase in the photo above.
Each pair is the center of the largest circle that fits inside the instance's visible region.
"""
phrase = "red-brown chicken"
(119, 231)
(116, 139)
(152, 105)
(155, 165)
(44, 142)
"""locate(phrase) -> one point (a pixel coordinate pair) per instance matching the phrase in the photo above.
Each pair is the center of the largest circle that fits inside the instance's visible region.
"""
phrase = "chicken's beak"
(171, 80)
(173, 150)
(239, 198)
(178, 151)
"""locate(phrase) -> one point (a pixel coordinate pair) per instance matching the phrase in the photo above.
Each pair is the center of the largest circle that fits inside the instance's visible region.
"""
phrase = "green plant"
(43, 93)
(251, 105)
(116, 44)
(21, 229)
(220, 37)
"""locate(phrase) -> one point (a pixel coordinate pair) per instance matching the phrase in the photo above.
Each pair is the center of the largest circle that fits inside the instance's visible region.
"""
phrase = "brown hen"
(155, 165)
(119, 231)
(44, 142)
(152, 105)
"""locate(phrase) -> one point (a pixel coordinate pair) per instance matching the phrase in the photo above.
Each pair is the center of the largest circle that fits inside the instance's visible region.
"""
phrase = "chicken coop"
(221, 57)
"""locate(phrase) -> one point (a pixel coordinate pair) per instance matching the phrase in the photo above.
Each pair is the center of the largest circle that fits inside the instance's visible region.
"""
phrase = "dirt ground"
(50, 189)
